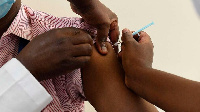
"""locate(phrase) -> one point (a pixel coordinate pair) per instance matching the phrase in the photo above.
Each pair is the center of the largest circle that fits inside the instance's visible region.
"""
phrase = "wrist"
(27, 64)
(134, 71)
(135, 76)
(131, 67)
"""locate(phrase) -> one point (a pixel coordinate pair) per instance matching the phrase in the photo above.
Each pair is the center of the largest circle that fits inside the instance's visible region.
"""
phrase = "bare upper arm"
(104, 87)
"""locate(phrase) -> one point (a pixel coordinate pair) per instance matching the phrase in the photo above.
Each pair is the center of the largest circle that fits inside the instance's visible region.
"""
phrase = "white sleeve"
(19, 90)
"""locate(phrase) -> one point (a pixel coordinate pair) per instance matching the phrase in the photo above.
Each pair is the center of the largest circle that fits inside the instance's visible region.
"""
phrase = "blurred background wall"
(176, 33)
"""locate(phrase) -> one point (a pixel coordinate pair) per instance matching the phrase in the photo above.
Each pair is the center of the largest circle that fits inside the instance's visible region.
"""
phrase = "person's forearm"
(167, 91)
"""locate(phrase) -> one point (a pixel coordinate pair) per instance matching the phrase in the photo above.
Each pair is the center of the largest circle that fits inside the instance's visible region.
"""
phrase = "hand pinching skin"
(136, 54)
(56, 52)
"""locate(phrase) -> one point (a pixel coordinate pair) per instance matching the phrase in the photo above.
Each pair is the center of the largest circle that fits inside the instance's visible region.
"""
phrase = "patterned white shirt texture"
(66, 90)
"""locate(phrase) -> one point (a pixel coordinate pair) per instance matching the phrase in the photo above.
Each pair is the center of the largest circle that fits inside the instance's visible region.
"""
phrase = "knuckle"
(59, 42)
(87, 38)
(57, 32)
(132, 44)
(72, 31)
(102, 39)
(129, 35)
(88, 49)
(76, 31)
(104, 25)
(63, 42)
(90, 40)
(143, 34)
(107, 24)
(115, 17)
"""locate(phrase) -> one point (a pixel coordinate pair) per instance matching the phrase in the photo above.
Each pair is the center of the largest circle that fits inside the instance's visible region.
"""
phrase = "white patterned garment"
(66, 90)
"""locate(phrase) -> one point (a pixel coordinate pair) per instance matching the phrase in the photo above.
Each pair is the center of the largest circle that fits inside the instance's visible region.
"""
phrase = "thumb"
(127, 36)
(101, 39)
(144, 38)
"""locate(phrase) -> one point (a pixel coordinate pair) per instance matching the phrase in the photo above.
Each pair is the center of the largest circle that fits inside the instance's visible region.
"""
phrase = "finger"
(82, 50)
(144, 38)
(127, 36)
(101, 38)
(114, 36)
(83, 39)
(79, 62)
(114, 32)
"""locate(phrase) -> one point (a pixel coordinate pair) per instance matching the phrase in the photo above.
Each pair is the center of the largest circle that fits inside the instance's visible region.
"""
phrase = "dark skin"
(7, 20)
(105, 88)
(76, 43)
(49, 53)
(63, 50)
(167, 91)
(98, 15)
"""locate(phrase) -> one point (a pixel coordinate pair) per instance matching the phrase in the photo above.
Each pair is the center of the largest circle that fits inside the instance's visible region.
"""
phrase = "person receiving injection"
(44, 53)
(167, 91)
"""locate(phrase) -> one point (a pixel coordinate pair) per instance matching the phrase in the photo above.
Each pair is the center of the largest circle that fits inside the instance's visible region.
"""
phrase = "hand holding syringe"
(137, 32)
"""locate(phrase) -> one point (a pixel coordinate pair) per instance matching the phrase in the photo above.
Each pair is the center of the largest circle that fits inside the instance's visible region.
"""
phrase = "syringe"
(137, 32)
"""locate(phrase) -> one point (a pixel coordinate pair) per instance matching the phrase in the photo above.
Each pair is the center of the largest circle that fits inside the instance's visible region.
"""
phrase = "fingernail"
(125, 30)
(103, 47)
(113, 26)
